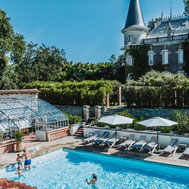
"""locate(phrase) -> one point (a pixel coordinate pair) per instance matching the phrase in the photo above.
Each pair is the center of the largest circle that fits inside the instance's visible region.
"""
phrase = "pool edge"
(123, 157)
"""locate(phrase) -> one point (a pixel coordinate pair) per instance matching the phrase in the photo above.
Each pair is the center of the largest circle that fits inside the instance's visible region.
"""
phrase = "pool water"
(68, 169)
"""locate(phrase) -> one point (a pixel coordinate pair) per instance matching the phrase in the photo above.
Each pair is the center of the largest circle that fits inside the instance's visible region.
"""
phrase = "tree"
(9, 79)
(19, 48)
(41, 63)
(152, 23)
(6, 39)
(112, 58)
(186, 7)
(12, 48)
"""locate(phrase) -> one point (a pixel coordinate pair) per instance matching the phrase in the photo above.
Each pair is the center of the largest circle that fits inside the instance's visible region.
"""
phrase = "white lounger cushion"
(186, 152)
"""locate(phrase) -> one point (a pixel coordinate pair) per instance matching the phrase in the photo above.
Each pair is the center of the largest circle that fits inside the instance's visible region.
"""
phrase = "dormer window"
(151, 58)
(180, 56)
(130, 38)
(129, 60)
(165, 57)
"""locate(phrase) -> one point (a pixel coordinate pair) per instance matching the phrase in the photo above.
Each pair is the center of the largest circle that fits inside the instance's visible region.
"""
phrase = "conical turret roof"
(134, 16)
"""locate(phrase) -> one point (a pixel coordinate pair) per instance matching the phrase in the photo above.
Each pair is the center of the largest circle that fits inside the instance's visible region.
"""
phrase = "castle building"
(165, 39)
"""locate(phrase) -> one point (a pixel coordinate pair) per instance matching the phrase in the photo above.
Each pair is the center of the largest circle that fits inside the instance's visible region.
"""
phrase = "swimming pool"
(68, 169)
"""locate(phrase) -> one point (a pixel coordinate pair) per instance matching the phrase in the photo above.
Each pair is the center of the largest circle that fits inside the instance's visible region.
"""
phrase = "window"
(130, 38)
(129, 59)
(151, 58)
(165, 57)
(180, 56)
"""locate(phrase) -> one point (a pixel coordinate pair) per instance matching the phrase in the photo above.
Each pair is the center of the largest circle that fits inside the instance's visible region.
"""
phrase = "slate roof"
(178, 26)
(134, 16)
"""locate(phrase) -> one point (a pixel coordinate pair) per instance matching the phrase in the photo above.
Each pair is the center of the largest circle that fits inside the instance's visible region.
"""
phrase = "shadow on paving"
(93, 148)
(132, 154)
(115, 152)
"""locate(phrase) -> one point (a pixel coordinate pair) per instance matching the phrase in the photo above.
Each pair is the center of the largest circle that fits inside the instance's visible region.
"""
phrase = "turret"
(135, 30)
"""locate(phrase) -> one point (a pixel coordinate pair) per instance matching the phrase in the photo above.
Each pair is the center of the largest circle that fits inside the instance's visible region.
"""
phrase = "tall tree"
(186, 7)
(19, 48)
(112, 58)
(41, 63)
(6, 39)
(12, 48)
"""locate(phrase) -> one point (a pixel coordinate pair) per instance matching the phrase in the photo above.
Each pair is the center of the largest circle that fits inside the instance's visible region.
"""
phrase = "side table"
(182, 147)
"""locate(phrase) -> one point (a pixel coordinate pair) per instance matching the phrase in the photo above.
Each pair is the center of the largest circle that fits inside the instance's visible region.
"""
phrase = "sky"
(88, 30)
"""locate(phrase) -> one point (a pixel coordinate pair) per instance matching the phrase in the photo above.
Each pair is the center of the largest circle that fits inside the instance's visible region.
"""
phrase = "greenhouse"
(24, 113)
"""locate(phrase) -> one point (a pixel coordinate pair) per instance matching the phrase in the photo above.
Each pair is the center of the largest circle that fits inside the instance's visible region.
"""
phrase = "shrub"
(19, 136)
(139, 127)
(73, 119)
(165, 129)
(127, 114)
(1, 136)
(183, 122)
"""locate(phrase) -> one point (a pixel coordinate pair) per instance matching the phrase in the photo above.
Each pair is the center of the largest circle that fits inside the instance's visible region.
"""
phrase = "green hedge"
(155, 90)
(74, 93)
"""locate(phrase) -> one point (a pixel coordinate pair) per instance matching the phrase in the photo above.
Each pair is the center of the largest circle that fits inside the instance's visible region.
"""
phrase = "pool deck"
(72, 142)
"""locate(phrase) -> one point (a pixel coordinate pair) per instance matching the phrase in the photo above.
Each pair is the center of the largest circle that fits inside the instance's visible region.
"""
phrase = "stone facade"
(172, 48)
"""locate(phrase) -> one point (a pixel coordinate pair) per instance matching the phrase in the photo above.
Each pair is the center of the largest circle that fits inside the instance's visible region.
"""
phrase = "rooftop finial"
(171, 9)
(162, 14)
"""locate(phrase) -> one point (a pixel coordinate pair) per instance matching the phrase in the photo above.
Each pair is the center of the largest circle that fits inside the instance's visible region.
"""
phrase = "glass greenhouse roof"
(21, 112)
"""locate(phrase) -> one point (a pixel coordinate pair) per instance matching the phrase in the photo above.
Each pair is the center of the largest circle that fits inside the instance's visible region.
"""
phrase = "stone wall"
(136, 112)
(73, 110)
(149, 113)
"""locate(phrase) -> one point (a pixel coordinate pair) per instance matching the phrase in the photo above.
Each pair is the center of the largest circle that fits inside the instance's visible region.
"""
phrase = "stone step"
(79, 132)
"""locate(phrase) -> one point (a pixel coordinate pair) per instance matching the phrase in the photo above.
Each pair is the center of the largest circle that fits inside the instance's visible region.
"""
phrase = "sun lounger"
(101, 139)
(172, 148)
(128, 143)
(111, 142)
(139, 145)
(91, 138)
(185, 153)
(152, 145)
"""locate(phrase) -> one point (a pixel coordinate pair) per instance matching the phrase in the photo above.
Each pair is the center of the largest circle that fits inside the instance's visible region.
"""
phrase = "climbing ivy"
(140, 60)
(185, 46)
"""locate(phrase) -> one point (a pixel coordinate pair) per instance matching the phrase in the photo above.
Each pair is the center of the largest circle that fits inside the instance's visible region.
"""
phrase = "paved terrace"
(76, 143)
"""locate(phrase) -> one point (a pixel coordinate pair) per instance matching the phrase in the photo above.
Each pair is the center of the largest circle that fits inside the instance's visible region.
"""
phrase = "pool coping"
(51, 150)
(122, 157)
(77, 145)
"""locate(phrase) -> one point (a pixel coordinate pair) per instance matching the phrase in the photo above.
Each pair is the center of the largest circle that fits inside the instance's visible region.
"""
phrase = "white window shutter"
(151, 58)
(165, 57)
(180, 56)
(129, 59)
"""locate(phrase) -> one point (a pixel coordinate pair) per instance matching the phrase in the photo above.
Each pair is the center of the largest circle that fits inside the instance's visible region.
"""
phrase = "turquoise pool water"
(68, 169)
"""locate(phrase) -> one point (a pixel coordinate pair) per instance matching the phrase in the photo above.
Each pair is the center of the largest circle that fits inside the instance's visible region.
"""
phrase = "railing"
(167, 38)
(174, 17)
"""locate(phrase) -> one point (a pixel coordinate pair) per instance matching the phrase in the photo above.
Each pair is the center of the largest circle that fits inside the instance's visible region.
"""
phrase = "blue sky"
(88, 30)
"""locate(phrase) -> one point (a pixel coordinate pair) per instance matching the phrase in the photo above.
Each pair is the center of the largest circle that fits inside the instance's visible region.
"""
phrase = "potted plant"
(19, 136)
(1, 137)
